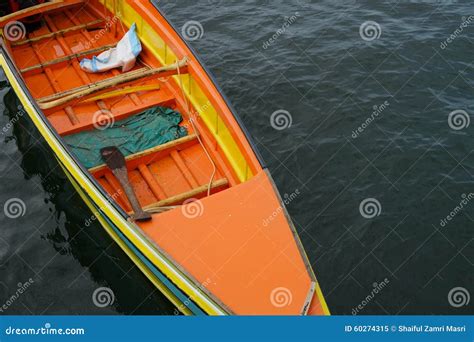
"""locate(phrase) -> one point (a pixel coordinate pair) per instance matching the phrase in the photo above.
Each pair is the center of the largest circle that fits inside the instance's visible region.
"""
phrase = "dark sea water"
(376, 158)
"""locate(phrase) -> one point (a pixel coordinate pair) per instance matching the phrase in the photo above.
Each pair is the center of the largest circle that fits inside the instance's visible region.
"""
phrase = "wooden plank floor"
(179, 171)
(156, 177)
(68, 74)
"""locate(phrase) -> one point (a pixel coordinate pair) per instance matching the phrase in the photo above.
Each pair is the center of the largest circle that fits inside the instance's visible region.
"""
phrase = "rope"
(191, 120)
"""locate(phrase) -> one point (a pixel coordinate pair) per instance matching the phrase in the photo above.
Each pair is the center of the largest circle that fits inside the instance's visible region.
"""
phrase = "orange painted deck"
(254, 269)
(226, 249)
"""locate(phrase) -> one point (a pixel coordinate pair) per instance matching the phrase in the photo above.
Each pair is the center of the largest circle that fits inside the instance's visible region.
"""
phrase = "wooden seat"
(52, 5)
(145, 157)
(140, 75)
(92, 24)
(71, 91)
(182, 197)
(164, 175)
(67, 58)
(118, 108)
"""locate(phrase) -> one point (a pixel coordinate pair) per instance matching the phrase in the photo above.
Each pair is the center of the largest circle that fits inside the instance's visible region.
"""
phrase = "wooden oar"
(121, 92)
(68, 57)
(59, 32)
(75, 90)
(115, 160)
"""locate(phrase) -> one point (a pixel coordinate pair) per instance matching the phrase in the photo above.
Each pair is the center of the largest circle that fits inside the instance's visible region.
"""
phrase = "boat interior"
(49, 61)
(226, 249)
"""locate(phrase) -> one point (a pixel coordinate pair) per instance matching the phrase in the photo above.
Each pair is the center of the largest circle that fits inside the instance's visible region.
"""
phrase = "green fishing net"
(155, 126)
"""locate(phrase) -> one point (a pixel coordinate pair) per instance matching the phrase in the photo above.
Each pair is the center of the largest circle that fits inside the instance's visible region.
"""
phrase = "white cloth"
(123, 55)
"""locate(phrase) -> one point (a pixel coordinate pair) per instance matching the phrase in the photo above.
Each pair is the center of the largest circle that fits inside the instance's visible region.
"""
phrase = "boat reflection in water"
(72, 236)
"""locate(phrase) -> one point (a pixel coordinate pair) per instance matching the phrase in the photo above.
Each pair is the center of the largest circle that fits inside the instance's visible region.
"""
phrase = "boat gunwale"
(205, 80)
(316, 291)
(216, 85)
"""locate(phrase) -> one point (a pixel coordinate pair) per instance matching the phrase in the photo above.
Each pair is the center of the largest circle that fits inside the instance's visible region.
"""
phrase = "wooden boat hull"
(188, 275)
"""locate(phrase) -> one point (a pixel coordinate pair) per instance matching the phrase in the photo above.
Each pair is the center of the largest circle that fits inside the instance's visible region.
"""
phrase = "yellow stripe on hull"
(168, 294)
(199, 100)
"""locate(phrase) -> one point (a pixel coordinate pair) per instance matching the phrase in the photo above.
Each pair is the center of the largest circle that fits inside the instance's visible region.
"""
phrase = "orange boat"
(189, 201)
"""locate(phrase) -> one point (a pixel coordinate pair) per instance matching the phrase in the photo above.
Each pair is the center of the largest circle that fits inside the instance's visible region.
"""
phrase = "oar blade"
(113, 157)
(115, 160)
